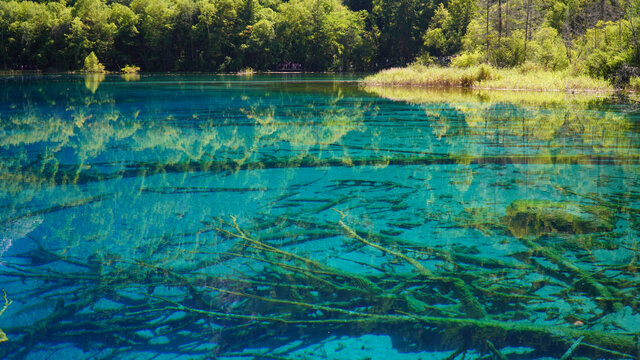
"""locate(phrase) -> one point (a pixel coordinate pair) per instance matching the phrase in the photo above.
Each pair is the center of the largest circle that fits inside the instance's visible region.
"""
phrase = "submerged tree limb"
(284, 293)
(469, 302)
(472, 332)
(591, 284)
(360, 280)
(352, 234)
(7, 302)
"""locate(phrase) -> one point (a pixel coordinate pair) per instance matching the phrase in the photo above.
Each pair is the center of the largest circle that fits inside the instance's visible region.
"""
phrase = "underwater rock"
(536, 217)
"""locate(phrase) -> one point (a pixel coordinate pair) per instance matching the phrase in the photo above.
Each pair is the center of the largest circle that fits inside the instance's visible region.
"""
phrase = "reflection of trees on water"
(538, 125)
(544, 138)
(93, 81)
(92, 139)
(557, 119)
(91, 125)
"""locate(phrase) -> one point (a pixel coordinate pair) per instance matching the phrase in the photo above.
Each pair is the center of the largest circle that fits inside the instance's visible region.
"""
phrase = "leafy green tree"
(402, 24)
(604, 49)
(91, 64)
(92, 29)
(260, 41)
(320, 34)
(216, 22)
(125, 38)
(185, 16)
(156, 24)
(549, 49)
(77, 41)
(448, 26)
(294, 30)
(437, 38)
(461, 12)
(27, 33)
(61, 17)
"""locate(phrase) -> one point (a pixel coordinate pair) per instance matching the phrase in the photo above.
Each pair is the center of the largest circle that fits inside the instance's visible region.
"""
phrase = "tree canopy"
(597, 37)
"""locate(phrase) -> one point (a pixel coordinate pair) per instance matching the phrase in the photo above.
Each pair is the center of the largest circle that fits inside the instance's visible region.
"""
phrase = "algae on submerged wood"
(7, 302)
(535, 217)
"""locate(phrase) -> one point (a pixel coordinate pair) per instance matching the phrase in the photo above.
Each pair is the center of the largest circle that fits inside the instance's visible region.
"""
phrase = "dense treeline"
(211, 35)
(598, 38)
(591, 36)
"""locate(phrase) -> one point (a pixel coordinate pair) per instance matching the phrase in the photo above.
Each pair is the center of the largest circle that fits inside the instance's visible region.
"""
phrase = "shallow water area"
(291, 216)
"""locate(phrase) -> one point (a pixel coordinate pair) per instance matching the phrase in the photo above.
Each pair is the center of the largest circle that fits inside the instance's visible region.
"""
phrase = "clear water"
(199, 217)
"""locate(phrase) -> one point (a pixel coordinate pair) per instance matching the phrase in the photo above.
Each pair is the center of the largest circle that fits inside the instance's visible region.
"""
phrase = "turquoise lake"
(313, 217)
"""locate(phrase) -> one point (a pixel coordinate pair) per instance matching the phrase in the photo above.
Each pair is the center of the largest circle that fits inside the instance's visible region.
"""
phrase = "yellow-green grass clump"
(462, 96)
(488, 77)
(420, 75)
(130, 69)
(247, 71)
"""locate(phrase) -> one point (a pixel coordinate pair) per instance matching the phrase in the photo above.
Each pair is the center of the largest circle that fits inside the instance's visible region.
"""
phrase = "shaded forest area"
(598, 37)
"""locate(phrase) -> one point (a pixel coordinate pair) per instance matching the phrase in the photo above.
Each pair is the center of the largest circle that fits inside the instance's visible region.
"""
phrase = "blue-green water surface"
(311, 217)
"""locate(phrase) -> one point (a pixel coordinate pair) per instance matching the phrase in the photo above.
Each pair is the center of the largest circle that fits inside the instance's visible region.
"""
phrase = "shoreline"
(484, 77)
(523, 90)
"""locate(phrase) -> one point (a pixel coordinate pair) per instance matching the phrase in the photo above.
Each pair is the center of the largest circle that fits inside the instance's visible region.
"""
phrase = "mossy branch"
(352, 234)
(469, 302)
(359, 280)
(7, 302)
(591, 284)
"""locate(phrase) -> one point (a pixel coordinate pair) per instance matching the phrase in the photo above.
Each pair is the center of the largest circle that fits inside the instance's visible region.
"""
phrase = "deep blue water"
(309, 216)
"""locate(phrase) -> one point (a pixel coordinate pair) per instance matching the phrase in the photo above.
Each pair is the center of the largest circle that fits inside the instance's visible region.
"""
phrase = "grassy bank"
(462, 97)
(487, 77)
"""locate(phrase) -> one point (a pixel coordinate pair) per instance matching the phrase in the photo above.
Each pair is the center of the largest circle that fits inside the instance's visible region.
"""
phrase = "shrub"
(425, 60)
(529, 67)
(247, 71)
(509, 51)
(634, 83)
(604, 64)
(467, 59)
(130, 69)
(549, 49)
(91, 64)
(622, 76)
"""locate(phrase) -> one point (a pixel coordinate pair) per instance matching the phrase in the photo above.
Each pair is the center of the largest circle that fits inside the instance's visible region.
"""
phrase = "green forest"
(594, 37)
